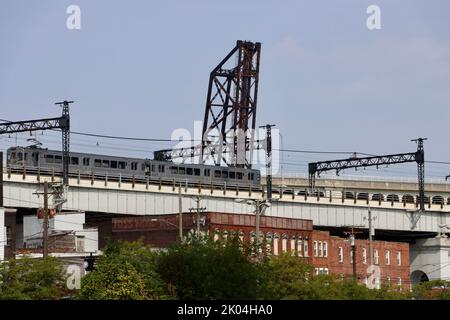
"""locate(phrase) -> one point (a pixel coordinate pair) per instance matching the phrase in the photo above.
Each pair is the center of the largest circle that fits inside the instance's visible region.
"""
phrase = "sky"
(141, 69)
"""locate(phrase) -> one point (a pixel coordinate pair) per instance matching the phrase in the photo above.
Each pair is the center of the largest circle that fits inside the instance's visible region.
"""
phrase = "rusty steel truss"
(230, 113)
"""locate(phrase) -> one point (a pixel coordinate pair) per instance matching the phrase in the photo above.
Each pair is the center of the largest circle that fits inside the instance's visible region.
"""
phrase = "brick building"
(328, 254)
(332, 254)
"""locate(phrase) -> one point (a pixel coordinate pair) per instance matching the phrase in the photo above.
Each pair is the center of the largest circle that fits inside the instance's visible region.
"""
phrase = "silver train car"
(37, 158)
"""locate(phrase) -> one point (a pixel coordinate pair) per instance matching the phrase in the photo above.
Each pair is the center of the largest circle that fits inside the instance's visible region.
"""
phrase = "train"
(37, 158)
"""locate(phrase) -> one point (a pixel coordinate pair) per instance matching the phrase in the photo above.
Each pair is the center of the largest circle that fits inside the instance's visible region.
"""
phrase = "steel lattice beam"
(62, 123)
(355, 162)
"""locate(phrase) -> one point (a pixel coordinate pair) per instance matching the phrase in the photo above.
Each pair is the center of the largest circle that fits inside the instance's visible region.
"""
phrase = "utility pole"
(1, 179)
(197, 210)
(268, 128)
(352, 243)
(180, 208)
(370, 237)
(45, 232)
(258, 215)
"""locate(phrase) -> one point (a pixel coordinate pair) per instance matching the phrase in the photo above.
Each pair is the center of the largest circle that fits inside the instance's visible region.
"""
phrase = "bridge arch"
(418, 276)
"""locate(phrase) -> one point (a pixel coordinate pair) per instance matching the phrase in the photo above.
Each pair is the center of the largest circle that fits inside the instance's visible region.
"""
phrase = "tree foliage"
(32, 279)
(203, 269)
(127, 270)
(432, 290)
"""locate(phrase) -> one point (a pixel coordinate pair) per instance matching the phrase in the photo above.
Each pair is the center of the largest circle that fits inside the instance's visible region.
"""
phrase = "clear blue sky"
(140, 68)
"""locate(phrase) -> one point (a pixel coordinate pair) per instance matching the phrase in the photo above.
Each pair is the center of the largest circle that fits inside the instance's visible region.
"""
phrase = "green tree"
(126, 270)
(32, 279)
(288, 277)
(204, 269)
(432, 290)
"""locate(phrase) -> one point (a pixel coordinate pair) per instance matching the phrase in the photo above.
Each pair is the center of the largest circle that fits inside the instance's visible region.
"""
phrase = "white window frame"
(306, 247)
(320, 249)
(275, 245)
(300, 247)
(325, 249)
(315, 248)
(292, 246)
(375, 257)
(351, 256)
(364, 255)
(399, 258)
(387, 257)
(341, 254)
(284, 244)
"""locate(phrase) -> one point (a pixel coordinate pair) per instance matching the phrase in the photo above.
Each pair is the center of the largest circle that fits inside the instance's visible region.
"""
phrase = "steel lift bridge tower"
(230, 113)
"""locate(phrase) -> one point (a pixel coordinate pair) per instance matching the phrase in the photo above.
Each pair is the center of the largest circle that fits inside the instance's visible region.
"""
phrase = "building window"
(375, 258)
(216, 234)
(388, 257)
(315, 247)
(299, 247)
(316, 271)
(341, 255)
(325, 270)
(399, 258)
(364, 255)
(325, 249)
(400, 282)
(284, 243)
(306, 247)
(388, 279)
(293, 246)
(351, 256)
(320, 249)
(275, 244)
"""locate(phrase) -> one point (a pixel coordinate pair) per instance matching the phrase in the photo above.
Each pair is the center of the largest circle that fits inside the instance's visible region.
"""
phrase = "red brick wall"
(392, 271)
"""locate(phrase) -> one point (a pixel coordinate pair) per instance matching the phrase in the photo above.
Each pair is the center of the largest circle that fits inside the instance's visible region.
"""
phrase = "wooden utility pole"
(45, 232)
(1, 179)
(370, 237)
(180, 210)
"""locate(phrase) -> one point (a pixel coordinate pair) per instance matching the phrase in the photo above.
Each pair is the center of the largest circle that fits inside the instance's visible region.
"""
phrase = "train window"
(207, 172)
(217, 174)
(189, 171)
(161, 168)
(143, 167)
(225, 174)
(49, 158)
(58, 159)
(232, 175)
(113, 164)
(196, 172)
(97, 163)
(239, 175)
(134, 166)
(19, 156)
(122, 164)
(181, 170)
(74, 160)
(86, 161)
(105, 163)
(174, 170)
(152, 167)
